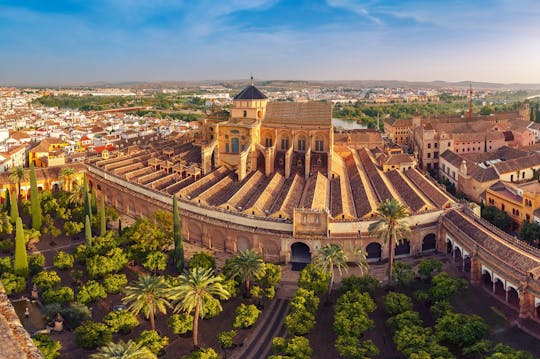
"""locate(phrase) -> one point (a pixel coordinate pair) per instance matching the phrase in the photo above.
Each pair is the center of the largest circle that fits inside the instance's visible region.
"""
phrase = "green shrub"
(114, 283)
(100, 265)
(46, 280)
(91, 335)
(152, 340)
(246, 316)
(304, 300)
(362, 284)
(63, 260)
(6, 245)
(90, 292)
(60, 295)
(73, 315)
(5, 264)
(180, 323)
(299, 322)
(350, 347)
(226, 339)
(48, 347)
(296, 347)
(202, 260)
(444, 287)
(440, 308)
(230, 285)
(395, 303)
(405, 319)
(13, 283)
(403, 273)
(460, 330)
(427, 267)
(202, 353)
(120, 321)
(36, 262)
(212, 308)
(314, 278)
(155, 261)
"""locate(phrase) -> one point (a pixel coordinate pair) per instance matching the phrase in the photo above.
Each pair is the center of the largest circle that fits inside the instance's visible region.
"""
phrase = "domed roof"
(250, 93)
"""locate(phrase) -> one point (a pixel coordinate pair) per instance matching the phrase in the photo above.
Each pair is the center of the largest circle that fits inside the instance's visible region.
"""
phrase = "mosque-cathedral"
(278, 178)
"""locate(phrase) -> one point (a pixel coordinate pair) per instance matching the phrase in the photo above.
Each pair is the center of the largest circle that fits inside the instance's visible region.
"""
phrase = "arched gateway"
(300, 255)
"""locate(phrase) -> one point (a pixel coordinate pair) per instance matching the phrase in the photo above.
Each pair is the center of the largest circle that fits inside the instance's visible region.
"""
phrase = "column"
(525, 301)
(476, 270)
(493, 285)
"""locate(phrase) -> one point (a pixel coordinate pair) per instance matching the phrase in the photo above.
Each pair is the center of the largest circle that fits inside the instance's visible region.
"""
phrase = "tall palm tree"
(193, 292)
(67, 175)
(246, 266)
(76, 196)
(150, 295)
(332, 256)
(123, 350)
(360, 257)
(391, 227)
(17, 175)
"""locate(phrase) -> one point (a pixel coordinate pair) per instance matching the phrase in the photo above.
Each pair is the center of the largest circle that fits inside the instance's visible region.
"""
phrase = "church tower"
(250, 103)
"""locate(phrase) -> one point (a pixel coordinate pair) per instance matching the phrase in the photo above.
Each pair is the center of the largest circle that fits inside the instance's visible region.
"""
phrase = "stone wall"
(14, 339)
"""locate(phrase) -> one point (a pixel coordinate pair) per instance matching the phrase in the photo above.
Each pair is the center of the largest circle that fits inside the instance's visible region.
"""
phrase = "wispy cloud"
(358, 7)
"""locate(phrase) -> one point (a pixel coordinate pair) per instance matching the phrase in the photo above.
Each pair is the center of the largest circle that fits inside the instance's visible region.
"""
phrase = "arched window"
(235, 145)
(284, 143)
(301, 144)
(319, 144)
(245, 113)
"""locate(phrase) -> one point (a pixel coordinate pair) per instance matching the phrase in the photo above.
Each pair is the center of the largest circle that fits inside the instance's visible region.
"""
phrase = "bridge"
(507, 267)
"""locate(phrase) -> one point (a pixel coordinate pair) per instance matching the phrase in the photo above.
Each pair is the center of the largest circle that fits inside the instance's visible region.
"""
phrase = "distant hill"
(292, 84)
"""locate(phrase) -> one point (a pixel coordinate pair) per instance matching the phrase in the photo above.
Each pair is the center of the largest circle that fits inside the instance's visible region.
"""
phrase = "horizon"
(73, 42)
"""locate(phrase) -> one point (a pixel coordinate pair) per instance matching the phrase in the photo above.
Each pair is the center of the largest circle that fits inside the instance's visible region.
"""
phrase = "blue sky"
(72, 41)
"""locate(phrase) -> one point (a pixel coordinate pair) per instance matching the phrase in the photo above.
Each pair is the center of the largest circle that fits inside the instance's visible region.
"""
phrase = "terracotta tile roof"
(482, 174)
(399, 158)
(453, 158)
(434, 194)
(399, 122)
(295, 112)
(508, 253)
(516, 164)
(411, 198)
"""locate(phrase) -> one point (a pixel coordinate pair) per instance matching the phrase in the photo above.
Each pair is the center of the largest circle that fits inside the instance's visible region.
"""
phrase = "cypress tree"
(7, 202)
(93, 202)
(35, 205)
(20, 265)
(87, 204)
(88, 232)
(102, 218)
(14, 213)
(177, 235)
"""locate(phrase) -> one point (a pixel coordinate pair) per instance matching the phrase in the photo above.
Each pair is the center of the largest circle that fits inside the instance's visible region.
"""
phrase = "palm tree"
(149, 295)
(246, 266)
(193, 292)
(123, 350)
(391, 227)
(17, 175)
(67, 175)
(76, 197)
(360, 257)
(332, 256)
